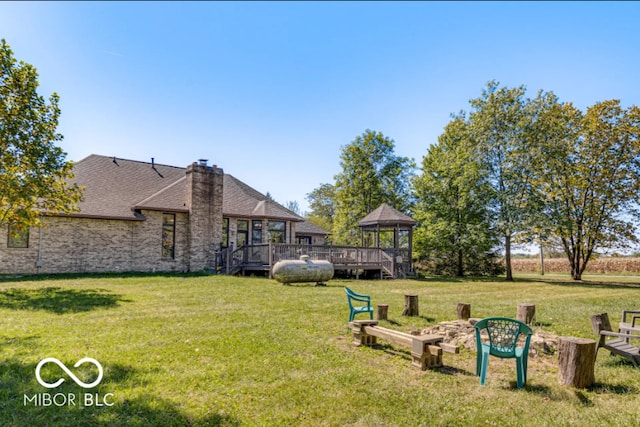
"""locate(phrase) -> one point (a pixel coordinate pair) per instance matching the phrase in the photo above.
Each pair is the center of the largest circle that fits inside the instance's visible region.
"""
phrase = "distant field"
(596, 266)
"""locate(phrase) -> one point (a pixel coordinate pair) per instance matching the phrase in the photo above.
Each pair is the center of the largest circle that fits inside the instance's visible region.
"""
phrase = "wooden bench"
(632, 327)
(426, 350)
(620, 346)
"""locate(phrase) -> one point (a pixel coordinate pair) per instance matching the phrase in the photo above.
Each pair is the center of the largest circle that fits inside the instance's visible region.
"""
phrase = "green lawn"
(215, 350)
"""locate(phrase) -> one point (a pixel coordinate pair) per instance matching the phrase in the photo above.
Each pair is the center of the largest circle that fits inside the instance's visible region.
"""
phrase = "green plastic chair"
(357, 309)
(503, 339)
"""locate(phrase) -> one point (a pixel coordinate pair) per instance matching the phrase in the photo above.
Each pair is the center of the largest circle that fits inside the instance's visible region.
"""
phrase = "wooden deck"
(253, 258)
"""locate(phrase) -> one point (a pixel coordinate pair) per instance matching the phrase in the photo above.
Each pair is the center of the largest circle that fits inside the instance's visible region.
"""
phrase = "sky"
(271, 91)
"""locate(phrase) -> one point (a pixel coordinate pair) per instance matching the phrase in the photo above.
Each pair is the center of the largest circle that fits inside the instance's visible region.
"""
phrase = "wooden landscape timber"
(426, 350)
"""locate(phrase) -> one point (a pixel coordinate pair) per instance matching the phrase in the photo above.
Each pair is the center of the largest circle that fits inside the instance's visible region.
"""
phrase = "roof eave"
(160, 209)
(95, 216)
(254, 216)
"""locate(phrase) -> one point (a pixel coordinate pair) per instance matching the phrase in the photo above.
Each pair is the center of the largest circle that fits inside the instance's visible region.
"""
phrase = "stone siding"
(204, 201)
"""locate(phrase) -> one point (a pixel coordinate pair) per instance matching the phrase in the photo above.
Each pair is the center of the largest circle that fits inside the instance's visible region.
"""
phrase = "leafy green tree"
(589, 176)
(454, 234)
(549, 173)
(33, 172)
(371, 175)
(499, 126)
(322, 204)
(293, 206)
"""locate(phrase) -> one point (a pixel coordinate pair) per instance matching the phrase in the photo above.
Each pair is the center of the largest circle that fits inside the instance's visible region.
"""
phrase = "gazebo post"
(411, 249)
(396, 239)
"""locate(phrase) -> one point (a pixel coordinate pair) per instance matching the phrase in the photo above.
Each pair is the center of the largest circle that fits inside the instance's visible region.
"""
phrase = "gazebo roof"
(386, 216)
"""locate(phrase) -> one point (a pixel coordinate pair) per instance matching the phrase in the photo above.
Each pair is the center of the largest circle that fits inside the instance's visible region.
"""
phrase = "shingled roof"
(240, 200)
(114, 188)
(307, 227)
(385, 215)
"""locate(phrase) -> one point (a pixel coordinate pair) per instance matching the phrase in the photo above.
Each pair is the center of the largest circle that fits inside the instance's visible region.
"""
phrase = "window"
(225, 232)
(303, 240)
(256, 234)
(277, 231)
(243, 233)
(17, 237)
(168, 236)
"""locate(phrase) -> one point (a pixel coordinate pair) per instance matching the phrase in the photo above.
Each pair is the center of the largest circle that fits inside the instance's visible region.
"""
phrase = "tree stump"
(383, 310)
(464, 311)
(410, 305)
(576, 361)
(526, 313)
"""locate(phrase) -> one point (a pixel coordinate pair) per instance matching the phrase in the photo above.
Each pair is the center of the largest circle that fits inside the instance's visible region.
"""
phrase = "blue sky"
(270, 91)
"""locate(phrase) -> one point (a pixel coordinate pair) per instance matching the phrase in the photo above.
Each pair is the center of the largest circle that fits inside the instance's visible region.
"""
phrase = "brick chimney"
(204, 201)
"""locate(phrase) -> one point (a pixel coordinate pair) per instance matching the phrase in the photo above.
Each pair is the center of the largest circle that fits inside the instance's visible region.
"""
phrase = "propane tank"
(302, 270)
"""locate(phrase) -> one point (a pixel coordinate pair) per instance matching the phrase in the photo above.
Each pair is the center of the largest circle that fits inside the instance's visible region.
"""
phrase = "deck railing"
(342, 257)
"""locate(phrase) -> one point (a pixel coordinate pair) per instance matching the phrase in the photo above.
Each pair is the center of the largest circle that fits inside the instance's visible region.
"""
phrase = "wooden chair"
(616, 342)
(357, 309)
(633, 325)
(503, 334)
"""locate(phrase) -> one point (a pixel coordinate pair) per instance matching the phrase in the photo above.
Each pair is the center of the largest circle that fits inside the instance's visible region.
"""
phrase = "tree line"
(511, 169)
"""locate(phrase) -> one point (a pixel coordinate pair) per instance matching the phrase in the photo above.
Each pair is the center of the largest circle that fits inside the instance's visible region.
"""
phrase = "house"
(141, 216)
(307, 233)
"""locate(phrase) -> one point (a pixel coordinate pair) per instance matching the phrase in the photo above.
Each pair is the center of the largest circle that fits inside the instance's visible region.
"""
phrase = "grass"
(216, 350)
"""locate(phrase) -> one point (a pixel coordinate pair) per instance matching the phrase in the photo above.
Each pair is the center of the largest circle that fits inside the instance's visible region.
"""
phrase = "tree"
(589, 176)
(33, 172)
(454, 232)
(500, 125)
(322, 204)
(553, 174)
(371, 175)
(293, 206)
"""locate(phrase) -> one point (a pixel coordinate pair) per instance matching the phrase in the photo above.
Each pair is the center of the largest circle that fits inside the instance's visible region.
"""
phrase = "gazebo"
(386, 220)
